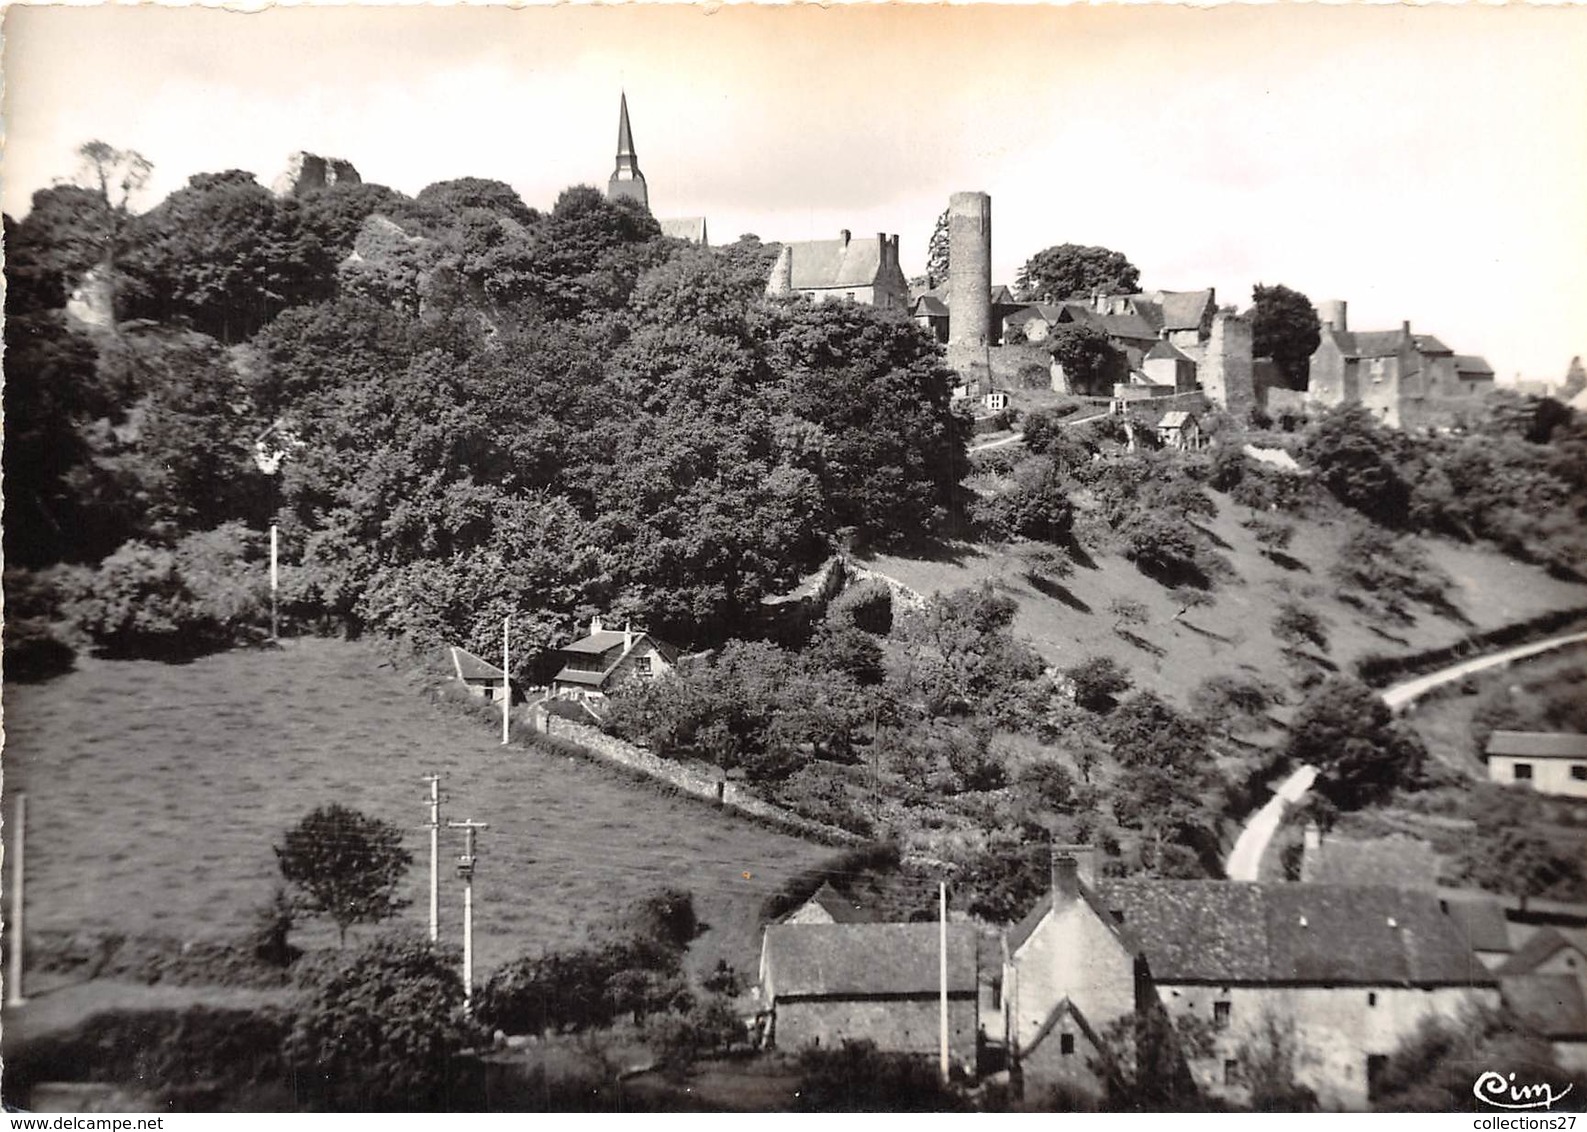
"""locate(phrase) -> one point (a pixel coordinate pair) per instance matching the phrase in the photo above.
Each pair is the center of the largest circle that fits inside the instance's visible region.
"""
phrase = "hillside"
(155, 793)
(1070, 621)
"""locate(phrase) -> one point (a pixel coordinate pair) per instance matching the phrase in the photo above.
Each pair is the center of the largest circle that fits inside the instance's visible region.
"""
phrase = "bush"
(1390, 574)
(1296, 625)
(1098, 682)
(868, 606)
(33, 652)
(383, 1031)
(857, 1077)
(680, 1037)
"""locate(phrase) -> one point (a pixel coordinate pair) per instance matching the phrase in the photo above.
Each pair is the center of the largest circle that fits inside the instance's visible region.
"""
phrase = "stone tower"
(1332, 312)
(1226, 368)
(970, 288)
(627, 182)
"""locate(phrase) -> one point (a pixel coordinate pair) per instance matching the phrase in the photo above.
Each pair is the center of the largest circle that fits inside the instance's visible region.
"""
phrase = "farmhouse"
(1545, 983)
(1354, 970)
(597, 662)
(1548, 762)
(1180, 429)
(825, 983)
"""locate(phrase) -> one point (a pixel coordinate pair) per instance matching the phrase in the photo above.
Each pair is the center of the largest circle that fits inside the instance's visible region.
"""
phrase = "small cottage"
(603, 658)
(1548, 762)
(1180, 430)
(822, 984)
(479, 677)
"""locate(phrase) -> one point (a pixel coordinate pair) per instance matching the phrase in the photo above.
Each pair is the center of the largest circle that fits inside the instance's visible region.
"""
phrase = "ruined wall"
(306, 172)
(1226, 370)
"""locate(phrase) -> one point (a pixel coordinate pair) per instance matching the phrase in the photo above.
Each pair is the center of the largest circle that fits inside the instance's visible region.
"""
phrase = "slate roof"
(1166, 349)
(833, 263)
(1538, 744)
(931, 305)
(471, 668)
(1182, 310)
(1482, 920)
(581, 676)
(600, 642)
(1472, 364)
(1429, 344)
(1178, 418)
(1553, 1005)
(1369, 343)
(1114, 325)
(1397, 861)
(850, 960)
(841, 908)
(1535, 951)
(1228, 932)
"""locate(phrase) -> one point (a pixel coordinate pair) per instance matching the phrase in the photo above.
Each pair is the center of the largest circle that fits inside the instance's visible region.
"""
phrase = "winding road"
(1245, 859)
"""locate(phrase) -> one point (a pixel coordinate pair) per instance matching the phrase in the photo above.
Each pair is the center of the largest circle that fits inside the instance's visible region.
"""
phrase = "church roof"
(625, 135)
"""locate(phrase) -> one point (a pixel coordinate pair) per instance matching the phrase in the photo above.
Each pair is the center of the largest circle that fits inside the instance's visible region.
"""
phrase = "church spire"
(627, 182)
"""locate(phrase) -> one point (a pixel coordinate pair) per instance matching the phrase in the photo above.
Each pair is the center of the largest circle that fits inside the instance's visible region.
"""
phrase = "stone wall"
(692, 778)
(902, 1025)
(1226, 370)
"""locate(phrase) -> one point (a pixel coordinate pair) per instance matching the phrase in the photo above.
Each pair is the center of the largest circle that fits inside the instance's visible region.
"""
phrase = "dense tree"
(1359, 461)
(1284, 327)
(1295, 625)
(345, 865)
(382, 1031)
(937, 249)
(1436, 1067)
(1361, 752)
(1098, 681)
(1070, 271)
(225, 253)
(1091, 363)
(1518, 862)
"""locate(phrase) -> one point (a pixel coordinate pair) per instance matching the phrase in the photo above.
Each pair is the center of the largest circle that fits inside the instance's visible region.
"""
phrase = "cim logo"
(1502, 1092)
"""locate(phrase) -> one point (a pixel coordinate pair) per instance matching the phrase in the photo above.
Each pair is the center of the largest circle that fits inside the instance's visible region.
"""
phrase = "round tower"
(969, 269)
(1331, 312)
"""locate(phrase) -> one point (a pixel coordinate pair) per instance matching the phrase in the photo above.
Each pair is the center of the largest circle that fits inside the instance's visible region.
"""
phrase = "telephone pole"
(435, 852)
(14, 970)
(465, 869)
(275, 585)
(506, 685)
(942, 966)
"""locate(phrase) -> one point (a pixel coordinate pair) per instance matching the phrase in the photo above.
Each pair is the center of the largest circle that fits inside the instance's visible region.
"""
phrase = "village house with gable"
(603, 658)
(859, 269)
(1355, 970)
(1545, 983)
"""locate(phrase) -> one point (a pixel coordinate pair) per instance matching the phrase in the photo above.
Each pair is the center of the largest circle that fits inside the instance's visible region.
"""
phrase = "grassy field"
(1234, 632)
(155, 793)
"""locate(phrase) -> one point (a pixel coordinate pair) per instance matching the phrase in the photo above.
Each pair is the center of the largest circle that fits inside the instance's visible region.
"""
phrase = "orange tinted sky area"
(1427, 164)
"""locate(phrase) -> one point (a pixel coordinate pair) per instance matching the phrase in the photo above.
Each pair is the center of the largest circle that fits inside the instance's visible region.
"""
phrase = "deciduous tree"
(1070, 271)
(1284, 327)
(345, 865)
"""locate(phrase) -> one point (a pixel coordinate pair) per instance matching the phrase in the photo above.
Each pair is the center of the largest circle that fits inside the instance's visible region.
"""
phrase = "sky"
(1425, 164)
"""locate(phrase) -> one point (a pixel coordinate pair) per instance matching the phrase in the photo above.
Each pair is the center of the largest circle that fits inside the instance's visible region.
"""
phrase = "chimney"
(628, 636)
(844, 233)
(595, 624)
(1072, 866)
(1405, 328)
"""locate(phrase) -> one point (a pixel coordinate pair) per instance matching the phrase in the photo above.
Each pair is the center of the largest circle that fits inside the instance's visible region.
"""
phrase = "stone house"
(1473, 376)
(1550, 763)
(1354, 970)
(1167, 365)
(596, 663)
(1545, 983)
(1181, 430)
(860, 269)
(829, 906)
(822, 984)
(932, 308)
(481, 678)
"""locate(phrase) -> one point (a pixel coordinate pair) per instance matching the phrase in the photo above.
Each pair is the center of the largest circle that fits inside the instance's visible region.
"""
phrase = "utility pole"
(942, 933)
(14, 971)
(465, 869)
(506, 683)
(275, 584)
(435, 852)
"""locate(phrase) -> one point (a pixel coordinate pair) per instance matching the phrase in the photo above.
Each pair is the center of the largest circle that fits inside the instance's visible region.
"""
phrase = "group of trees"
(456, 407)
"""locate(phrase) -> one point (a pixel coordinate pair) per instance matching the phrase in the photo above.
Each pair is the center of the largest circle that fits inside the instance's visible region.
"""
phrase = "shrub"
(1098, 681)
(1295, 625)
(857, 1077)
(383, 1031)
(1389, 573)
(33, 652)
(680, 1037)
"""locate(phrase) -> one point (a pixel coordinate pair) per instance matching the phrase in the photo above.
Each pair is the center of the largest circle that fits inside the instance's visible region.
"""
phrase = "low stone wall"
(692, 778)
(902, 594)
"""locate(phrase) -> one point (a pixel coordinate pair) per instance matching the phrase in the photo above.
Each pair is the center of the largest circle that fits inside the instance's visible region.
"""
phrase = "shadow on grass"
(1287, 562)
(1049, 588)
(1197, 629)
(1388, 636)
(1212, 537)
(1141, 642)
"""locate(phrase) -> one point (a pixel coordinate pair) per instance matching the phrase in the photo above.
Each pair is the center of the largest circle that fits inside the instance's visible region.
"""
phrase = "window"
(1376, 1063)
(1220, 1014)
(1231, 1072)
(643, 664)
(1066, 1044)
(1523, 772)
(849, 295)
(1579, 773)
(1372, 998)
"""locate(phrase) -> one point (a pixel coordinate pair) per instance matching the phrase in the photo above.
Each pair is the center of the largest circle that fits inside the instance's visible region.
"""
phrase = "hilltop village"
(923, 693)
